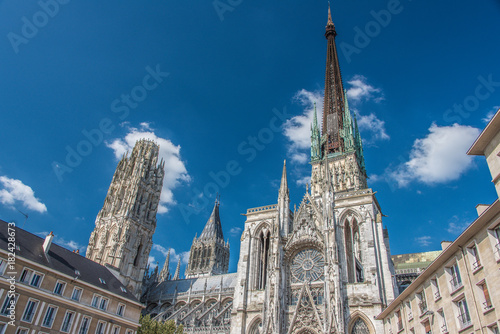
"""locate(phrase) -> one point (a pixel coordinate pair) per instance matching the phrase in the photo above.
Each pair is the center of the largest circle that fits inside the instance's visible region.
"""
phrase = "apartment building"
(45, 288)
(457, 293)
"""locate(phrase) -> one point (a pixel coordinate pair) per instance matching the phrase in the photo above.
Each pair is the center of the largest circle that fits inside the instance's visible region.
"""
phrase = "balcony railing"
(476, 265)
(437, 294)
(444, 329)
(455, 283)
(487, 305)
(464, 320)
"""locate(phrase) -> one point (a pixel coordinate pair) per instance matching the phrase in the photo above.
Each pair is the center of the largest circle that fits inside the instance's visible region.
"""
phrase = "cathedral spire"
(284, 203)
(213, 228)
(315, 137)
(284, 182)
(177, 270)
(165, 272)
(333, 107)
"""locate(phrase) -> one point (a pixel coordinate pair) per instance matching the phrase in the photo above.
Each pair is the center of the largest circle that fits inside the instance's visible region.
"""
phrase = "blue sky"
(230, 85)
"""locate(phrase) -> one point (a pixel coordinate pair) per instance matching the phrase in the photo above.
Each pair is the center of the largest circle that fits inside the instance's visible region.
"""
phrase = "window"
(67, 322)
(96, 300)
(104, 304)
(100, 328)
(102, 281)
(48, 320)
(30, 310)
(442, 321)
(427, 326)
(3, 327)
(77, 293)
(31, 277)
(59, 289)
(435, 288)
(422, 303)
(463, 313)
(408, 310)
(486, 295)
(116, 330)
(129, 331)
(495, 239)
(3, 265)
(84, 325)
(120, 309)
(456, 280)
(494, 329)
(474, 257)
(399, 320)
(21, 330)
(9, 304)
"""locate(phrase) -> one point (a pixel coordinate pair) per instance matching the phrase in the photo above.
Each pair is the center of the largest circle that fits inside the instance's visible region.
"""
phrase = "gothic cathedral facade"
(324, 268)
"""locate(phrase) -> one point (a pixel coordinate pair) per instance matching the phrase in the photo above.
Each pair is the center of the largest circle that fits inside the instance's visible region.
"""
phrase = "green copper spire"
(315, 138)
(359, 145)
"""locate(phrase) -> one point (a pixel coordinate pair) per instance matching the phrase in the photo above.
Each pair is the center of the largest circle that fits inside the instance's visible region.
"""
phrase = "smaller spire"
(284, 182)
(177, 270)
(165, 272)
(330, 21)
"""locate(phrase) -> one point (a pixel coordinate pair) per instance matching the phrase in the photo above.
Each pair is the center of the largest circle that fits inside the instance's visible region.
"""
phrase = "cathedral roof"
(197, 285)
(213, 228)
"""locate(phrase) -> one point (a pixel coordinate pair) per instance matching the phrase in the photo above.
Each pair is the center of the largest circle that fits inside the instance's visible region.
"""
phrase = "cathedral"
(324, 267)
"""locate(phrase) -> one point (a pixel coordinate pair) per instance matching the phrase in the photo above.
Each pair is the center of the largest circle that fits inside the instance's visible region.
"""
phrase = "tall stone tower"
(209, 253)
(324, 268)
(124, 227)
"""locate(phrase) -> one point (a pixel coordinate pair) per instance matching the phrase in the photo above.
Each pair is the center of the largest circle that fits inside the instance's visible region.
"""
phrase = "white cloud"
(152, 262)
(376, 127)
(490, 114)
(298, 128)
(175, 169)
(360, 90)
(302, 181)
(423, 241)
(439, 157)
(68, 244)
(457, 225)
(16, 191)
(235, 231)
(174, 257)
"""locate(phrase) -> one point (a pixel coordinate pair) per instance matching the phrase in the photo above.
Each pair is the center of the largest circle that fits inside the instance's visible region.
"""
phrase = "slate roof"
(213, 283)
(213, 228)
(30, 247)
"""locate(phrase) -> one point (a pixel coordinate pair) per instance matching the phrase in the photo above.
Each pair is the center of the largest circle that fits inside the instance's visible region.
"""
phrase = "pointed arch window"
(353, 252)
(138, 255)
(262, 258)
(360, 327)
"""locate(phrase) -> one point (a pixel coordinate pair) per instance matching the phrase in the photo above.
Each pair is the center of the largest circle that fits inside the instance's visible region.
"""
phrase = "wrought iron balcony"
(464, 320)
(455, 283)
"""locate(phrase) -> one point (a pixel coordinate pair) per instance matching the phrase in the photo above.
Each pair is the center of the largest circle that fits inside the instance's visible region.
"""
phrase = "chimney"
(445, 244)
(481, 208)
(48, 242)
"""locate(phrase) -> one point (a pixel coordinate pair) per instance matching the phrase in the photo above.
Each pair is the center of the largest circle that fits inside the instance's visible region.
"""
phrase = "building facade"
(456, 293)
(45, 288)
(325, 267)
(123, 234)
